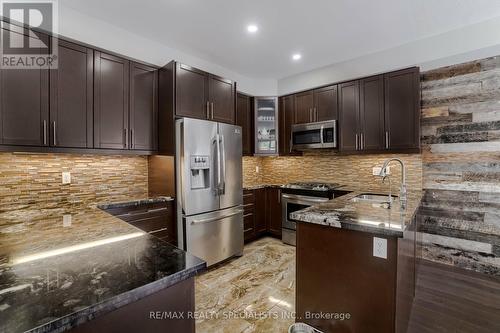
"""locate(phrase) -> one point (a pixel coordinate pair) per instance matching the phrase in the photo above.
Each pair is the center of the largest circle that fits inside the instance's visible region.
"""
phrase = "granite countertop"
(63, 265)
(343, 213)
(133, 203)
(259, 186)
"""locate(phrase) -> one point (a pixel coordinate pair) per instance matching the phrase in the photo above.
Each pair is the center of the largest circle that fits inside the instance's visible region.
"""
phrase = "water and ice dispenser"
(200, 172)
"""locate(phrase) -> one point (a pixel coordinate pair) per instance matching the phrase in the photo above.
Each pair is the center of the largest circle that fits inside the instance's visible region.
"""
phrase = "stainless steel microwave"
(321, 134)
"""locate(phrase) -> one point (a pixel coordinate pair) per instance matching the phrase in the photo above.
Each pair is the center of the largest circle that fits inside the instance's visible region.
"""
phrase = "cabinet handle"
(125, 137)
(386, 140)
(45, 132)
(131, 138)
(208, 110)
(279, 196)
(54, 134)
(361, 142)
(315, 114)
(212, 109)
(357, 141)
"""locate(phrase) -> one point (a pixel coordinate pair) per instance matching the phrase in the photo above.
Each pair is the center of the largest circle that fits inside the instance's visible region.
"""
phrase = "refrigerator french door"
(209, 189)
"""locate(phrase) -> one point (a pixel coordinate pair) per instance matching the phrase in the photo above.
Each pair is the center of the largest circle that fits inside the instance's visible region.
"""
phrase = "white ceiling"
(323, 31)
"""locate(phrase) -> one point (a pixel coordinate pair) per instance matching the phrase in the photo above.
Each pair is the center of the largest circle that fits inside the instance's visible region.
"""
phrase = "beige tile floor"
(253, 293)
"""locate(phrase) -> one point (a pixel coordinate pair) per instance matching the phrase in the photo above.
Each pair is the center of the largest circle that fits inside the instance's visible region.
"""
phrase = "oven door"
(292, 202)
(314, 135)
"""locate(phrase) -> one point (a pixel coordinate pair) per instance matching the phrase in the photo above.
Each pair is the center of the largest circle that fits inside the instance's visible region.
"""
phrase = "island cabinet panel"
(325, 104)
(402, 109)
(222, 99)
(274, 211)
(191, 86)
(143, 107)
(245, 119)
(349, 116)
(304, 103)
(24, 102)
(111, 101)
(149, 314)
(371, 110)
(352, 280)
(71, 97)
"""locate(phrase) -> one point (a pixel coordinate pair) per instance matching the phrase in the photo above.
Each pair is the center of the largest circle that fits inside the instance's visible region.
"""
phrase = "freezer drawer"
(215, 236)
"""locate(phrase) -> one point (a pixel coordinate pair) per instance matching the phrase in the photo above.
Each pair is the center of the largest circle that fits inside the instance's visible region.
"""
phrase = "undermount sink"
(375, 198)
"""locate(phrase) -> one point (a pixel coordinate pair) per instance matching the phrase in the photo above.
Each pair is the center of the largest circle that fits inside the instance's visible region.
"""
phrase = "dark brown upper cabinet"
(191, 87)
(402, 109)
(304, 104)
(24, 107)
(325, 104)
(286, 119)
(316, 105)
(204, 96)
(349, 116)
(111, 101)
(143, 107)
(371, 120)
(71, 97)
(245, 119)
(222, 99)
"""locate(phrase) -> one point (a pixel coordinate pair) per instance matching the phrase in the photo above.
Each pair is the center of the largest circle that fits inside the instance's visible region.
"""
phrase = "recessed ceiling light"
(296, 56)
(252, 28)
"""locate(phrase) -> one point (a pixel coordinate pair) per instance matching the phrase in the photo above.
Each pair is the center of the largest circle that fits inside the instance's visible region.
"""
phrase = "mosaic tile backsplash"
(36, 179)
(345, 170)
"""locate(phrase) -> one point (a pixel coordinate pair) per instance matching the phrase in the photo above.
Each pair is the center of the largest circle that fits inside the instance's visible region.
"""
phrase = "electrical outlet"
(66, 177)
(376, 171)
(380, 247)
(67, 220)
(257, 169)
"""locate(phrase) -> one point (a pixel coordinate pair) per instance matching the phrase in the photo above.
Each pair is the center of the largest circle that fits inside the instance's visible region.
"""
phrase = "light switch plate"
(257, 169)
(66, 177)
(376, 170)
(67, 220)
(380, 247)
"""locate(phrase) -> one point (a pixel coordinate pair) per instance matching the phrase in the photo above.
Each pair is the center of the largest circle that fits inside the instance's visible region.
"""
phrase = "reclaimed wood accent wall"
(460, 136)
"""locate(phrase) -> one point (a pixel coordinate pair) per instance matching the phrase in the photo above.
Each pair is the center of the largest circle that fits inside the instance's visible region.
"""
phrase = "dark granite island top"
(344, 213)
(63, 265)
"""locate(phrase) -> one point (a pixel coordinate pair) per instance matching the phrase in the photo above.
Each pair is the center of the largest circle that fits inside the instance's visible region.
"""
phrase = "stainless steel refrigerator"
(209, 189)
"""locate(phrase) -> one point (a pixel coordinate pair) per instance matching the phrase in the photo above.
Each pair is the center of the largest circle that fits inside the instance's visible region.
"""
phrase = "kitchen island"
(75, 267)
(363, 257)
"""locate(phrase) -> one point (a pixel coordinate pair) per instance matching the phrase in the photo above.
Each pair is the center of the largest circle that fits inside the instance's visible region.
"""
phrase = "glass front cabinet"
(266, 125)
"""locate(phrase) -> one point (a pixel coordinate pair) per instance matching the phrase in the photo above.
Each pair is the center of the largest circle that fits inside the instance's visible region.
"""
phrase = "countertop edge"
(94, 311)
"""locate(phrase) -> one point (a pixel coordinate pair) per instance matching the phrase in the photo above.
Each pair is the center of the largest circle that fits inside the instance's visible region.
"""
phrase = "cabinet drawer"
(151, 224)
(248, 221)
(165, 235)
(248, 197)
(249, 207)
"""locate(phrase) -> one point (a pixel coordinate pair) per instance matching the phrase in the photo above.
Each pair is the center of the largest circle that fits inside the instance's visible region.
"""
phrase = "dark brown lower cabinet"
(140, 316)
(157, 219)
(367, 293)
(273, 211)
(262, 213)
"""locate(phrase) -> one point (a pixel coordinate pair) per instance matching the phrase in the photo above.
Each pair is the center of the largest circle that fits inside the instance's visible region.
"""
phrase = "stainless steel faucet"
(402, 192)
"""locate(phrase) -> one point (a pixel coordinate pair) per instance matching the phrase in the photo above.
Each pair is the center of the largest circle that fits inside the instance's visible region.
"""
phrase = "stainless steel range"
(297, 196)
